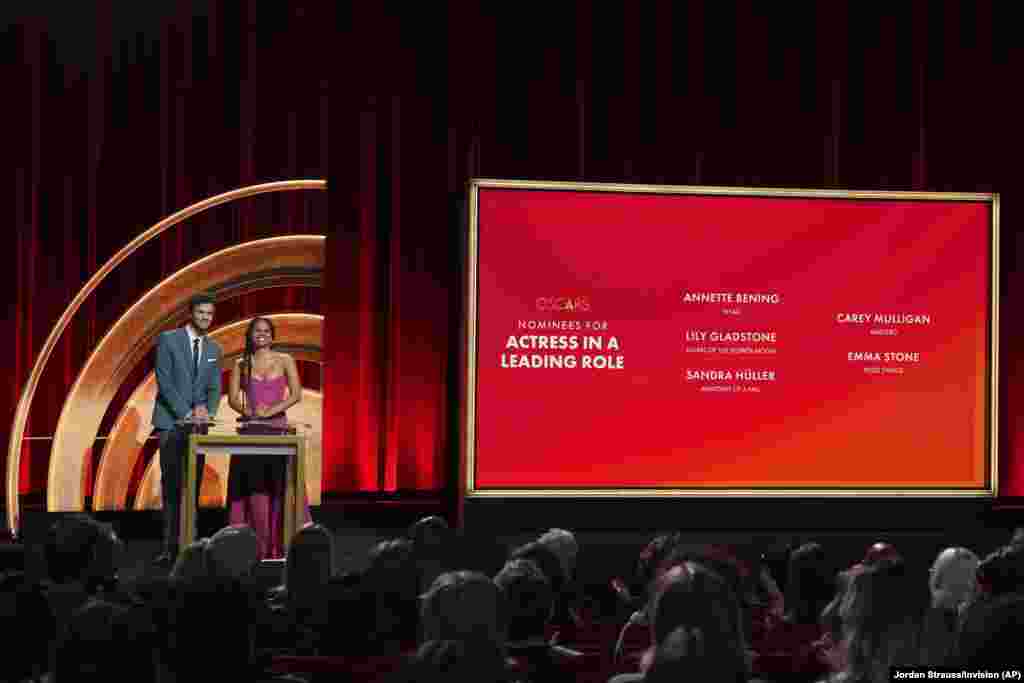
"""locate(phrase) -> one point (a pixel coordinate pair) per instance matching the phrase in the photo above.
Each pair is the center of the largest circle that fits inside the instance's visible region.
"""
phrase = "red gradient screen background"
(624, 261)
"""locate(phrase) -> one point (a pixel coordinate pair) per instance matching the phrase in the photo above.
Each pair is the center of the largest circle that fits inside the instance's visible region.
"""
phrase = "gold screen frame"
(468, 455)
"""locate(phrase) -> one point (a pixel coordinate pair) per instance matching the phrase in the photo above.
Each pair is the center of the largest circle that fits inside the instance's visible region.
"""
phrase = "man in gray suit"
(188, 366)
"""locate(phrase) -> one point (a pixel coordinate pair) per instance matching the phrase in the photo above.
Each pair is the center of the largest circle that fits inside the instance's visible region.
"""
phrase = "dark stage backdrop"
(119, 119)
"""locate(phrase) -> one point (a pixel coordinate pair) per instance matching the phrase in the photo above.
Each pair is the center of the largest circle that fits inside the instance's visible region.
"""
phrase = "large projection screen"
(627, 340)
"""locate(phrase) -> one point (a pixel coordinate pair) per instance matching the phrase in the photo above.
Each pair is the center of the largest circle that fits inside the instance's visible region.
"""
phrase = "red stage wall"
(122, 117)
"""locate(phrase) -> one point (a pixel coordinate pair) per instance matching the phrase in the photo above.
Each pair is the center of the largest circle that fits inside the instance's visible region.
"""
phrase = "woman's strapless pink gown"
(256, 482)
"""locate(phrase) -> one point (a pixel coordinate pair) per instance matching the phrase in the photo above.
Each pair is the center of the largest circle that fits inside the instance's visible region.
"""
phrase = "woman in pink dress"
(264, 384)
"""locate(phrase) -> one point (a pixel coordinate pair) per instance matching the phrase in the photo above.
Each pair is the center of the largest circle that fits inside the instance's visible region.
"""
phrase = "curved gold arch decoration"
(28, 393)
(225, 273)
(214, 489)
(300, 334)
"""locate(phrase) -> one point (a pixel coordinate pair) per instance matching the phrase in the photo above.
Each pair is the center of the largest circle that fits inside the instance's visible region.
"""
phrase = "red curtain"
(824, 95)
(120, 118)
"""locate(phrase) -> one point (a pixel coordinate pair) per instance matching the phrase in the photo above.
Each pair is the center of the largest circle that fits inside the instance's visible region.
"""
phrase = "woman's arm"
(294, 388)
(234, 393)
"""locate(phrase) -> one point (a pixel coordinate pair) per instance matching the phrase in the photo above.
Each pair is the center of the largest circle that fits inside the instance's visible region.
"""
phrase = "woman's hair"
(809, 586)
(725, 567)
(1002, 571)
(308, 568)
(880, 551)
(718, 560)
(651, 559)
(829, 617)
(250, 351)
(464, 605)
(883, 612)
(990, 635)
(693, 597)
(102, 640)
(691, 594)
(392, 584)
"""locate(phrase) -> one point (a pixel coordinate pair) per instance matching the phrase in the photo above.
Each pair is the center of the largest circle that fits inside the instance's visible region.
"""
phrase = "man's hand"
(200, 413)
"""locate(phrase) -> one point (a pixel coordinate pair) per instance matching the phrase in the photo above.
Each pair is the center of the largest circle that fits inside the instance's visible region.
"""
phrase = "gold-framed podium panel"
(291, 447)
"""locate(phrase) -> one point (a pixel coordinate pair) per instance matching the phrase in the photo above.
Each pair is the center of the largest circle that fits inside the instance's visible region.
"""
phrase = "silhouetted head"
(529, 598)
(463, 605)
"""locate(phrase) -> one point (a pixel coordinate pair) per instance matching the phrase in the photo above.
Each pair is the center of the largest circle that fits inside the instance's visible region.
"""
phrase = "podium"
(212, 437)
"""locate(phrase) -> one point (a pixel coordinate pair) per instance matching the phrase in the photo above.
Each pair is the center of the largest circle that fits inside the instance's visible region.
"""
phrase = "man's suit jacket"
(177, 387)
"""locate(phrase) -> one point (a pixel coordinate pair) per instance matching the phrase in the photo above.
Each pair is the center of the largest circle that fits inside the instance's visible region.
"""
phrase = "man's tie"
(195, 359)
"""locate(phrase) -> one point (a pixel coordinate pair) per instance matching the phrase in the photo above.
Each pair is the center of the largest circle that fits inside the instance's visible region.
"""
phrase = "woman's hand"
(262, 411)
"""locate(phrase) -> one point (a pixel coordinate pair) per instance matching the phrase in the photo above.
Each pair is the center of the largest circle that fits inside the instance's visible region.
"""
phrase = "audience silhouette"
(688, 612)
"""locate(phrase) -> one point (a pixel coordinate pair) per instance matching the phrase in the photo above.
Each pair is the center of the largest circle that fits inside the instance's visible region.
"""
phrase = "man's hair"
(809, 585)
(392, 583)
(103, 640)
(429, 530)
(233, 551)
(392, 570)
(563, 544)
(80, 548)
(528, 596)
(199, 299)
(546, 559)
(953, 577)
